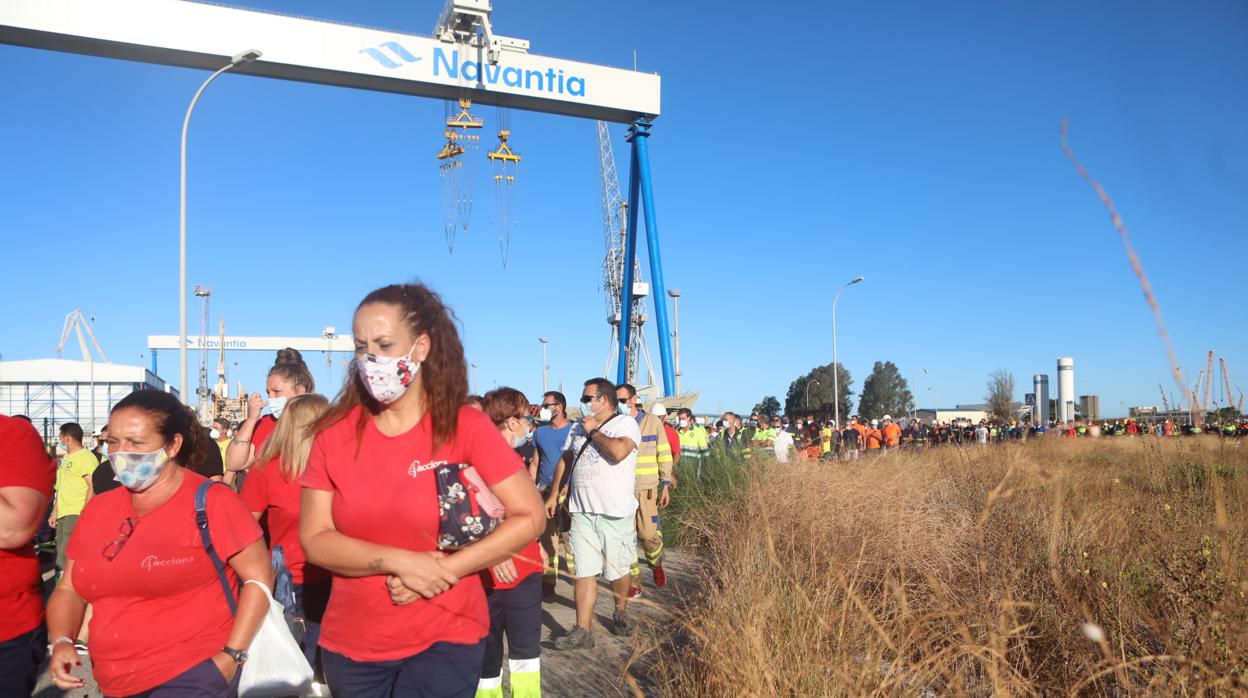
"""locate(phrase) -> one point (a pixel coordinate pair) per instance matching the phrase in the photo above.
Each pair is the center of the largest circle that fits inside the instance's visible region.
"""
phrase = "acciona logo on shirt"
(417, 467)
(151, 562)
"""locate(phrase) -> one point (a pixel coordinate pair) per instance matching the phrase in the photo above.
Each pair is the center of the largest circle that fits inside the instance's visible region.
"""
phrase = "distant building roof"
(72, 371)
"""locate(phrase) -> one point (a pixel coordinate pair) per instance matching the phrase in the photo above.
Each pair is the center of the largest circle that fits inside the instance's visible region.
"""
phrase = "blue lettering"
(512, 77)
(491, 76)
(440, 61)
(576, 87)
(476, 70)
(528, 79)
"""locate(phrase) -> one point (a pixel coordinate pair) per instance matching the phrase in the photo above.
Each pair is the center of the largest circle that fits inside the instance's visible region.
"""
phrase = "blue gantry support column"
(639, 134)
(154, 373)
(630, 261)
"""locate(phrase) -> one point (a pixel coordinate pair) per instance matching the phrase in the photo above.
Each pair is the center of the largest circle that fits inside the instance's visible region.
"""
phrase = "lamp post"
(836, 369)
(675, 294)
(240, 59)
(474, 378)
(812, 380)
(545, 365)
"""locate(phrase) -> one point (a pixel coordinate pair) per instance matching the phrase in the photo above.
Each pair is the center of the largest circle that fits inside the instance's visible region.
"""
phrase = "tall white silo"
(1066, 389)
(1041, 414)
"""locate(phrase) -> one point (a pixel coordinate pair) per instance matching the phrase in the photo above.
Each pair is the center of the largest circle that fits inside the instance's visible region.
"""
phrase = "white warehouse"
(55, 391)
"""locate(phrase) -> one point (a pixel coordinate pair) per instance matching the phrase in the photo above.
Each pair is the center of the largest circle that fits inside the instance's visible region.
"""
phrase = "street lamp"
(240, 59)
(545, 365)
(675, 294)
(836, 369)
(812, 380)
(474, 378)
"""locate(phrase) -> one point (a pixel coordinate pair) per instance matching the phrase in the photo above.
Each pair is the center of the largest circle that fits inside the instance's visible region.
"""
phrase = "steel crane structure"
(76, 323)
(463, 60)
(615, 242)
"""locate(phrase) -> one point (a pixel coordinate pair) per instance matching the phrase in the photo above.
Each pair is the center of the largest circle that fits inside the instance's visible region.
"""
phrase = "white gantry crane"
(75, 322)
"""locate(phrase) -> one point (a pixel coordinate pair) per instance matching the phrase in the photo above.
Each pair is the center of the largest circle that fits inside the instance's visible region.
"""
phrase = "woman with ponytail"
(406, 618)
(161, 625)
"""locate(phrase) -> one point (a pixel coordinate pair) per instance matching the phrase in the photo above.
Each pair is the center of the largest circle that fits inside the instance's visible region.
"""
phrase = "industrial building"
(1040, 381)
(1090, 407)
(55, 391)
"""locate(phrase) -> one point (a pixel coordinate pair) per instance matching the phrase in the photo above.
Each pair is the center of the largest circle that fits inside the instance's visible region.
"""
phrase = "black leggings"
(517, 612)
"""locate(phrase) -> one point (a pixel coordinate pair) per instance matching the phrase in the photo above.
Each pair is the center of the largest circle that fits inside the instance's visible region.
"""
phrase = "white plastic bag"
(276, 665)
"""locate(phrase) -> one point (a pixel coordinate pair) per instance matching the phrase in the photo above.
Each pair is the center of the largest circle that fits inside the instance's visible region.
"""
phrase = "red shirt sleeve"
(316, 474)
(255, 491)
(485, 448)
(230, 524)
(24, 462)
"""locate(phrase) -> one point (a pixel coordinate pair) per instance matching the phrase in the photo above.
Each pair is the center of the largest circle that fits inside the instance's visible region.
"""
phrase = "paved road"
(576, 674)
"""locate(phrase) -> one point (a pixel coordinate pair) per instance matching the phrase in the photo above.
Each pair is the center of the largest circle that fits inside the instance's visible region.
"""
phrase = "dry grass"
(1055, 567)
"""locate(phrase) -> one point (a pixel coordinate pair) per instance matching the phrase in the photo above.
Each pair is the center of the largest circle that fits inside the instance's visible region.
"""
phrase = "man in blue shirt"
(550, 438)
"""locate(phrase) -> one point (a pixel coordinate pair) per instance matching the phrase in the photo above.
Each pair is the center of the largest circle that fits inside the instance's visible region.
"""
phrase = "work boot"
(578, 639)
(660, 577)
(622, 625)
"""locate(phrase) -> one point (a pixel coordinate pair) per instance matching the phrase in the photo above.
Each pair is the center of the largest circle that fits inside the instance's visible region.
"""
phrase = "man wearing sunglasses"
(600, 456)
(550, 438)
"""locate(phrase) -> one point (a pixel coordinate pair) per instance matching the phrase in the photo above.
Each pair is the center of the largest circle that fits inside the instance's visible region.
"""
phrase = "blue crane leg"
(641, 134)
(154, 373)
(630, 261)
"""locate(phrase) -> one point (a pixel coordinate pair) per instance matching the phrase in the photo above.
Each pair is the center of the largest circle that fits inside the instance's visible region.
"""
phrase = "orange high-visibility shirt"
(892, 434)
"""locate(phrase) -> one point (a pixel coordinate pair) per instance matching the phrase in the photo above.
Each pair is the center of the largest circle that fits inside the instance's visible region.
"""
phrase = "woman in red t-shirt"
(161, 624)
(272, 492)
(405, 618)
(288, 378)
(513, 588)
(26, 477)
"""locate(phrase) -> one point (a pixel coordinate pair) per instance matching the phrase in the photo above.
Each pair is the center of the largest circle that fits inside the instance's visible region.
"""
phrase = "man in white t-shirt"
(601, 453)
(783, 445)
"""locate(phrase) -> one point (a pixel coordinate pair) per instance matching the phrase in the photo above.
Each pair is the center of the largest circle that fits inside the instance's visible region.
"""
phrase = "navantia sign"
(190, 34)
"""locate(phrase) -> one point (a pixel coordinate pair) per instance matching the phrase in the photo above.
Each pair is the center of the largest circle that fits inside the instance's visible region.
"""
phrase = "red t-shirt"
(673, 440)
(262, 432)
(385, 492)
(23, 463)
(527, 562)
(159, 608)
(267, 490)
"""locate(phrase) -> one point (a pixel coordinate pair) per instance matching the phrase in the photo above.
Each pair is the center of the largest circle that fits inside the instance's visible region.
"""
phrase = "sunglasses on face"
(588, 398)
(551, 405)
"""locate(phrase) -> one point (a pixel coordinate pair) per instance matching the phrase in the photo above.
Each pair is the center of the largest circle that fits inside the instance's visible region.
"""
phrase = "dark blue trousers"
(200, 681)
(445, 670)
(20, 658)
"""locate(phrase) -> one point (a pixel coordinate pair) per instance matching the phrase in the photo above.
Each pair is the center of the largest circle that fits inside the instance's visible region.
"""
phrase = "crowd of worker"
(809, 437)
(410, 531)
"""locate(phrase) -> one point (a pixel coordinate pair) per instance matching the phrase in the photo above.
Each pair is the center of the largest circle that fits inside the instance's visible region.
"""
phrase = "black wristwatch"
(239, 656)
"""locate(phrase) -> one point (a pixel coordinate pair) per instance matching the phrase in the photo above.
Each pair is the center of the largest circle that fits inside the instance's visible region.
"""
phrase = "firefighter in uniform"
(653, 488)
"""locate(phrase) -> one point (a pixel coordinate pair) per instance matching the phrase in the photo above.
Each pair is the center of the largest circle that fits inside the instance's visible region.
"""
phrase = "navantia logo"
(392, 55)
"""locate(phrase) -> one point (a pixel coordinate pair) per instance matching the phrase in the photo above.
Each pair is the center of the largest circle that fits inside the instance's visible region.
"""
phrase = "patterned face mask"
(387, 377)
(137, 471)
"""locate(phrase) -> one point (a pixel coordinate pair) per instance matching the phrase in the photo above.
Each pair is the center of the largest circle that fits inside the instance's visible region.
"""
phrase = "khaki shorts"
(603, 545)
(64, 529)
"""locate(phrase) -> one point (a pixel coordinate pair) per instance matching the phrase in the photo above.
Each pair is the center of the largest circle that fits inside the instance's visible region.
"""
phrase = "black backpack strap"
(201, 522)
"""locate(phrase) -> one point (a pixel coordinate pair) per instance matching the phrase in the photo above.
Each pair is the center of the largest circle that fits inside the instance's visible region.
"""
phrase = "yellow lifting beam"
(504, 152)
(464, 119)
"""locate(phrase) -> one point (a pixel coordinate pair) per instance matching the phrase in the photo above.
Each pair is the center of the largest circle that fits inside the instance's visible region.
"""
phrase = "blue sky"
(913, 143)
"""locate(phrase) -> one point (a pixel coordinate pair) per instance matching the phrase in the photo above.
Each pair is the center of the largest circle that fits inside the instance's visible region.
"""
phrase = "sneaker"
(578, 639)
(634, 592)
(622, 625)
(660, 577)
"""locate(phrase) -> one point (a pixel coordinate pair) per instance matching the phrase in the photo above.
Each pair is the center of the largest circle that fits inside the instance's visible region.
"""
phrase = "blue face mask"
(624, 409)
(276, 406)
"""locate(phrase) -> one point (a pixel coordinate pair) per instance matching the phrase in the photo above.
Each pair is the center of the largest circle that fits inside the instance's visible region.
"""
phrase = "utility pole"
(675, 294)
(545, 365)
(836, 368)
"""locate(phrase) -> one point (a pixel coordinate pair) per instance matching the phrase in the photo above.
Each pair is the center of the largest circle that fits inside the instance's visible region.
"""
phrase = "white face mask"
(137, 471)
(215, 434)
(684, 424)
(544, 414)
(387, 377)
(276, 406)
